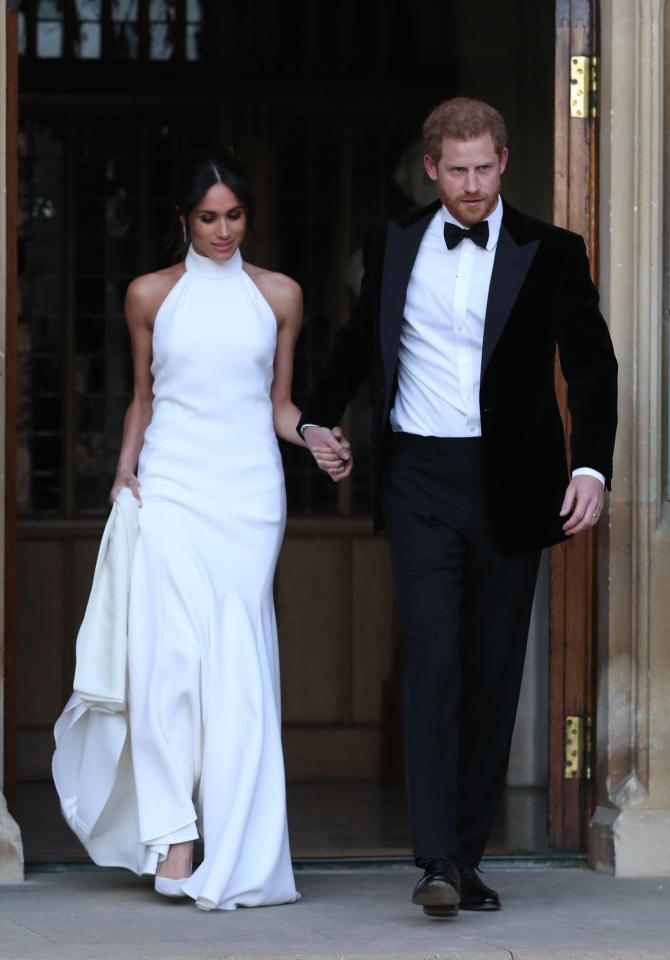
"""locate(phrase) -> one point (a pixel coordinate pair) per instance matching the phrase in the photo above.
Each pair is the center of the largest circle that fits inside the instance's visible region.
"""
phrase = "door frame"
(573, 571)
(572, 633)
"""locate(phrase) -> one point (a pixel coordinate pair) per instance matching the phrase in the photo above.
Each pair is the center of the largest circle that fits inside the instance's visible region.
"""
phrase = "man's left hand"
(582, 504)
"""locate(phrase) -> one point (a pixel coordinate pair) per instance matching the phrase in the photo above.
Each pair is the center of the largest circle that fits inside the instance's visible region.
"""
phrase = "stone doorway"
(346, 149)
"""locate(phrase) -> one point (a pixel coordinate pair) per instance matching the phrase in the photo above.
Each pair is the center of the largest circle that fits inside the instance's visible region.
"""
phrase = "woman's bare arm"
(285, 297)
(287, 305)
(143, 299)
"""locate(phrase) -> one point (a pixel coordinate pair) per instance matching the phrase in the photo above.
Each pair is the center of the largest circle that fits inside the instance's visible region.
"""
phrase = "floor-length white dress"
(201, 751)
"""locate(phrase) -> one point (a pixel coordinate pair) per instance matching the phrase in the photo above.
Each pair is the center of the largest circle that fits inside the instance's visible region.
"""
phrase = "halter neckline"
(200, 266)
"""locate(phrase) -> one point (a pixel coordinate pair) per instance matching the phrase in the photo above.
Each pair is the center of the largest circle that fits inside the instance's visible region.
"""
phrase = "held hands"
(125, 478)
(583, 502)
(331, 450)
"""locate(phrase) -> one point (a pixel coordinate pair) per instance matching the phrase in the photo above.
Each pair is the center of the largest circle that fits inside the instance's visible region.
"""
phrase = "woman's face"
(217, 223)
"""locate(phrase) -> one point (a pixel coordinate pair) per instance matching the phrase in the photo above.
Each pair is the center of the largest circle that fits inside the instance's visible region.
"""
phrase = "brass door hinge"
(578, 748)
(583, 87)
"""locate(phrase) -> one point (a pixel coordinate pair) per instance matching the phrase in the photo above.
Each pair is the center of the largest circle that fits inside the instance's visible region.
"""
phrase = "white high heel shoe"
(169, 888)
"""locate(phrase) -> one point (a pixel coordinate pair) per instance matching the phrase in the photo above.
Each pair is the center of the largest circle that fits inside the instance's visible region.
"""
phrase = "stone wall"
(630, 829)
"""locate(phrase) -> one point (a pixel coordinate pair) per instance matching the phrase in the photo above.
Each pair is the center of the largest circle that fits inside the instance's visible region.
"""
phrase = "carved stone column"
(11, 851)
(630, 829)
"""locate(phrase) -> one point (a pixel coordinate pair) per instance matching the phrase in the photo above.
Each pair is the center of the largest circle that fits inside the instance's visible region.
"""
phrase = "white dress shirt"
(440, 353)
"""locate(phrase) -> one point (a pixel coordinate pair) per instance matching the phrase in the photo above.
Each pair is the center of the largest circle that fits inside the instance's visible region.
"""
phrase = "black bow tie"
(478, 233)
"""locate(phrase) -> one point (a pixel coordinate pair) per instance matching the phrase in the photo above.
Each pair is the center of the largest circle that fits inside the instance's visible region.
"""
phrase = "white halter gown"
(204, 754)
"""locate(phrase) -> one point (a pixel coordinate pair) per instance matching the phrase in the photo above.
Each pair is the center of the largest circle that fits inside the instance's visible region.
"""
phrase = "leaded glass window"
(41, 335)
(88, 39)
(95, 212)
(50, 30)
(118, 29)
(106, 226)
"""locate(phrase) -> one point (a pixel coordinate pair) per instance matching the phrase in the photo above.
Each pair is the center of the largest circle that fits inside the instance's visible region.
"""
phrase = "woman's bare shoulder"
(275, 285)
(145, 294)
(151, 285)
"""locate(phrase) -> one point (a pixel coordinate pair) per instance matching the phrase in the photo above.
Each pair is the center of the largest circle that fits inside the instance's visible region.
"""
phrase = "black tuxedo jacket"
(541, 296)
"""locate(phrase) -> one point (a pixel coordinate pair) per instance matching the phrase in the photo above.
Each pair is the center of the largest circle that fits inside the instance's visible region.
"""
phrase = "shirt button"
(460, 326)
(471, 429)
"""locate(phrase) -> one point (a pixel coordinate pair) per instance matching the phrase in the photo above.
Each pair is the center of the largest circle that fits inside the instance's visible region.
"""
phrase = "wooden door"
(573, 564)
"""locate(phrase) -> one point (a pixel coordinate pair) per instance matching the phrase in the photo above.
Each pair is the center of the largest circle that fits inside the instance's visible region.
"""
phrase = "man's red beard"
(486, 202)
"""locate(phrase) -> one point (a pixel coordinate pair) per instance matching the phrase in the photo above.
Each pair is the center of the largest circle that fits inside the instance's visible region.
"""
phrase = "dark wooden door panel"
(336, 642)
(573, 564)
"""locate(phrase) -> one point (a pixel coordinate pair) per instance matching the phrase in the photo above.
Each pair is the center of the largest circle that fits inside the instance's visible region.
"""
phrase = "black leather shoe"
(438, 891)
(475, 895)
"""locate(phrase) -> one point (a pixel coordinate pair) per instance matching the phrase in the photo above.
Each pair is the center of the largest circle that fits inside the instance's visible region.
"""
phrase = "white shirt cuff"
(588, 472)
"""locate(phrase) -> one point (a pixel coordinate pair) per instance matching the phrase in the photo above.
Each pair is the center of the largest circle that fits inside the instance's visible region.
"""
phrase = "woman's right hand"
(125, 478)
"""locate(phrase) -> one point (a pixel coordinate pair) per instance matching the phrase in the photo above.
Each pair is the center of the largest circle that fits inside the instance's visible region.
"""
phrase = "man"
(462, 306)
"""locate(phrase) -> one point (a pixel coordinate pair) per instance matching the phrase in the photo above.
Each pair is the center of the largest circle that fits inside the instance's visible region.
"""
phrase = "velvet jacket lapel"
(515, 253)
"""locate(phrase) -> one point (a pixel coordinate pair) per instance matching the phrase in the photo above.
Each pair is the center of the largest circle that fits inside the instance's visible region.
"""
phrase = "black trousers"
(465, 609)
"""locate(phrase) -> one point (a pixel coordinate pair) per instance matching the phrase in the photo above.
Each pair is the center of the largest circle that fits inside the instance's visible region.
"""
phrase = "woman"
(213, 340)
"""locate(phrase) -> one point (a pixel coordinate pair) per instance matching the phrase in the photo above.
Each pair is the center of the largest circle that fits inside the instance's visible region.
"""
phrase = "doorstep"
(346, 913)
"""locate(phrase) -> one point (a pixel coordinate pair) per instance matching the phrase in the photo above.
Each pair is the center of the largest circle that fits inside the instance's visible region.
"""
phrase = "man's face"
(468, 177)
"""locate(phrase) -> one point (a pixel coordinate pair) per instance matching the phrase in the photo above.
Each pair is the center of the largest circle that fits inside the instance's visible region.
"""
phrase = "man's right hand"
(331, 450)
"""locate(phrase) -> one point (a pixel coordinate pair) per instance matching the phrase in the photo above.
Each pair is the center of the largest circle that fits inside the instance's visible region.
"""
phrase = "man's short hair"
(462, 119)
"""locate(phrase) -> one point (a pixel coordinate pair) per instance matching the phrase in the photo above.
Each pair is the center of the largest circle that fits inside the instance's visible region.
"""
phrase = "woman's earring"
(185, 234)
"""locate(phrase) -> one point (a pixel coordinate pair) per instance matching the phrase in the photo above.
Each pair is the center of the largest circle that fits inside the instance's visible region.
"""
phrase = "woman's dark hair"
(201, 171)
